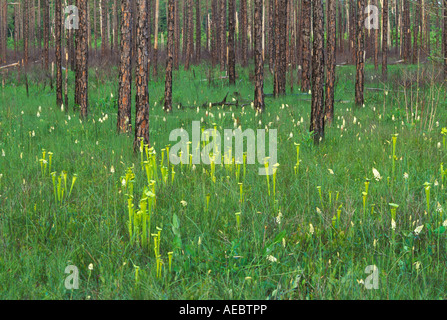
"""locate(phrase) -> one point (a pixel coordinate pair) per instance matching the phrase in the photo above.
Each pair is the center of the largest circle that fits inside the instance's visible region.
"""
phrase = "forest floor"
(225, 232)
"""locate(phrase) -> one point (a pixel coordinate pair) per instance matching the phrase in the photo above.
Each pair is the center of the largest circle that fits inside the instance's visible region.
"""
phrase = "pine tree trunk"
(191, 31)
(231, 51)
(46, 34)
(385, 40)
(170, 57)
(330, 49)
(188, 32)
(406, 31)
(281, 47)
(271, 38)
(155, 53)
(124, 123)
(243, 29)
(416, 29)
(360, 52)
(306, 55)
(82, 49)
(198, 32)
(58, 26)
(259, 63)
(376, 44)
(177, 36)
(141, 79)
(115, 27)
(2, 32)
(104, 38)
(223, 32)
(317, 112)
(26, 33)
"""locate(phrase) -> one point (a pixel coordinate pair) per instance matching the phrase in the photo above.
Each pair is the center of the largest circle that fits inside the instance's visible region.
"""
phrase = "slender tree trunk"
(155, 53)
(82, 49)
(104, 38)
(317, 112)
(124, 123)
(223, 32)
(416, 29)
(191, 31)
(306, 55)
(188, 32)
(141, 79)
(170, 57)
(385, 40)
(360, 53)
(376, 43)
(58, 26)
(26, 33)
(259, 63)
(3, 40)
(231, 51)
(115, 27)
(406, 31)
(243, 9)
(198, 32)
(177, 36)
(46, 34)
(281, 47)
(271, 38)
(331, 48)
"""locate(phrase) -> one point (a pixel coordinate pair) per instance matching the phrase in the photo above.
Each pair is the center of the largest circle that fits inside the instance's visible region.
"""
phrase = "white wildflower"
(418, 230)
(376, 174)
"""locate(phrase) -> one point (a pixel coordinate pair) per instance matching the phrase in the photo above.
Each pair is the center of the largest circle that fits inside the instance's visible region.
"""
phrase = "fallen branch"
(10, 65)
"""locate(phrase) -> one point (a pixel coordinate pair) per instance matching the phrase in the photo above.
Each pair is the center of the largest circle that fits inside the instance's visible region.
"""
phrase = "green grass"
(212, 257)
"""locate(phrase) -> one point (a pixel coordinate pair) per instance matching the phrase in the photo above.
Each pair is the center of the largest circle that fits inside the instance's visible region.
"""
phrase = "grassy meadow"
(73, 192)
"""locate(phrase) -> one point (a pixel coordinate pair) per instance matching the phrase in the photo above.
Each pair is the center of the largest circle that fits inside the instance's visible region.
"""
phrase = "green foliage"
(296, 245)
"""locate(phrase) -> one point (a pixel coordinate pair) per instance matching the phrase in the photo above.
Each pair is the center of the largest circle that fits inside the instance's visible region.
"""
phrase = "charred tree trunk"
(141, 79)
(385, 40)
(124, 123)
(259, 63)
(231, 50)
(331, 47)
(317, 112)
(281, 38)
(306, 55)
(58, 26)
(360, 53)
(170, 57)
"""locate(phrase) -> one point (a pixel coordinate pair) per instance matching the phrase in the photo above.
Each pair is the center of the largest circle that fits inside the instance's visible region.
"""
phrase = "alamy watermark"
(212, 150)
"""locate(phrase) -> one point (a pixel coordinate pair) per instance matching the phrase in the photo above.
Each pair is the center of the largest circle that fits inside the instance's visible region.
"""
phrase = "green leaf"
(439, 230)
